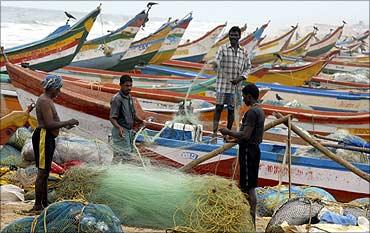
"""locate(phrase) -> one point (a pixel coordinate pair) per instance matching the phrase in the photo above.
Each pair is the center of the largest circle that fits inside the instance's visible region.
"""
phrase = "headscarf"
(52, 81)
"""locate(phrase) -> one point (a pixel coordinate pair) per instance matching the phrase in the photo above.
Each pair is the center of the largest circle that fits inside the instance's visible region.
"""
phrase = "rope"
(137, 149)
(34, 222)
(309, 221)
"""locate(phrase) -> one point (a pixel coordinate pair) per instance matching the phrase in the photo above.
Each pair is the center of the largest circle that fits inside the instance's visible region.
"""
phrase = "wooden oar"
(325, 151)
(227, 146)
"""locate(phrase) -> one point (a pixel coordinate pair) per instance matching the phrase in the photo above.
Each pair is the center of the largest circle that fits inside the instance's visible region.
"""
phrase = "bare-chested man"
(43, 138)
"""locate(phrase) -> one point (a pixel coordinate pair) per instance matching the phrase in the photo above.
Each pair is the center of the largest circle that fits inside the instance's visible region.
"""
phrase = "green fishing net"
(161, 198)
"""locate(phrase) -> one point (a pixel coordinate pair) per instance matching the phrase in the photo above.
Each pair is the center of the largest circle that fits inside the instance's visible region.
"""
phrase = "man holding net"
(249, 137)
(43, 138)
(232, 65)
(123, 116)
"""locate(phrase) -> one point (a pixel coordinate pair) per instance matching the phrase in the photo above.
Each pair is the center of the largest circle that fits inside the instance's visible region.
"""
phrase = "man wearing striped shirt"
(232, 65)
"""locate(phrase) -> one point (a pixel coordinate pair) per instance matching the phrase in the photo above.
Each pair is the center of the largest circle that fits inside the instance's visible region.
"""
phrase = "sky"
(253, 13)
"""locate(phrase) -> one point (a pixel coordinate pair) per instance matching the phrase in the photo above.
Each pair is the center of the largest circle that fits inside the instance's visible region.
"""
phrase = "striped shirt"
(231, 66)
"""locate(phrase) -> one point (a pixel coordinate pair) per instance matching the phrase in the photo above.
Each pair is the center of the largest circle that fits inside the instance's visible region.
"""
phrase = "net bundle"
(69, 216)
(161, 198)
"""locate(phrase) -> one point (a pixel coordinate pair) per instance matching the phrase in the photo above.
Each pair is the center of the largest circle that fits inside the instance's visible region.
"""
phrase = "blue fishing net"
(271, 198)
(355, 141)
(22, 225)
(71, 216)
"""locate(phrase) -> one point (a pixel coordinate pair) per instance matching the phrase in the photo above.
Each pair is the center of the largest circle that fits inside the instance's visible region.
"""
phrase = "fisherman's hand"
(224, 131)
(71, 123)
(121, 132)
(237, 80)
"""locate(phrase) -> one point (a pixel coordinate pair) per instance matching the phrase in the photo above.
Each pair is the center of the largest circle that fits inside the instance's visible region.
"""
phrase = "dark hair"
(125, 78)
(235, 29)
(251, 89)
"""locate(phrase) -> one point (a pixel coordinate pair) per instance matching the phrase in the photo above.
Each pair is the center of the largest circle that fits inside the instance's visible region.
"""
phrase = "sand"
(9, 214)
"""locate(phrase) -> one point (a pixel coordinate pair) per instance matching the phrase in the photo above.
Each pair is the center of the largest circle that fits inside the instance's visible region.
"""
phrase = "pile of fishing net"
(289, 104)
(161, 198)
(10, 156)
(350, 156)
(365, 202)
(358, 76)
(19, 138)
(69, 216)
(327, 216)
(269, 199)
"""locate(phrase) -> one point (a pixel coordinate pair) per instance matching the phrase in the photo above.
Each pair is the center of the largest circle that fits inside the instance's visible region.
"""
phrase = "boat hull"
(54, 51)
(9, 102)
(343, 184)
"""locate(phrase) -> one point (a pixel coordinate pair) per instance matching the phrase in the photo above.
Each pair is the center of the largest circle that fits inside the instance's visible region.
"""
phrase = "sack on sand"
(72, 147)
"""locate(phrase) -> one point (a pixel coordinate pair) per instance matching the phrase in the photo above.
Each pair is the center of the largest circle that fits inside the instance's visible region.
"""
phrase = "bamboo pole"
(327, 138)
(325, 151)
(290, 155)
(227, 146)
(352, 148)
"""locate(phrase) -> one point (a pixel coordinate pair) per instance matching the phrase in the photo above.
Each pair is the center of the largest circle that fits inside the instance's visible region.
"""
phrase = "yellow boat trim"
(42, 149)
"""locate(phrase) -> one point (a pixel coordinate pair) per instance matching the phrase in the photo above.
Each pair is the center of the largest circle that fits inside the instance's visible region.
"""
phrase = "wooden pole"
(327, 138)
(227, 146)
(352, 148)
(290, 156)
(325, 151)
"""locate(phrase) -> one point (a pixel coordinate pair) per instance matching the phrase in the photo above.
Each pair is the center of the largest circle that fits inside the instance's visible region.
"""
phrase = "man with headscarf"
(43, 138)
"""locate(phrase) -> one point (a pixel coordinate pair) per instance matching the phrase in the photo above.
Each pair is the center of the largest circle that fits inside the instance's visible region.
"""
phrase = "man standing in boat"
(232, 65)
(123, 116)
(249, 137)
(43, 138)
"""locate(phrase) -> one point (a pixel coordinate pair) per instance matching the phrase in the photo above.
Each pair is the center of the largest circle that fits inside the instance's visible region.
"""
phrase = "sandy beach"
(10, 212)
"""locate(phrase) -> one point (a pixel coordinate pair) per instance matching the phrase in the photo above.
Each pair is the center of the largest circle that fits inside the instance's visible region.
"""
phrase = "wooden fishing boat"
(316, 121)
(105, 51)
(91, 106)
(143, 50)
(197, 49)
(345, 64)
(249, 43)
(151, 93)
(290, 76)
(13, 120)
(323, 46)
(330, 83)
(56, 50)
(300, 47)
(319, 99)
(165, 84)
(334, 178)
(265, 51)
(9, 99)
(93, 110)
(172, 41)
